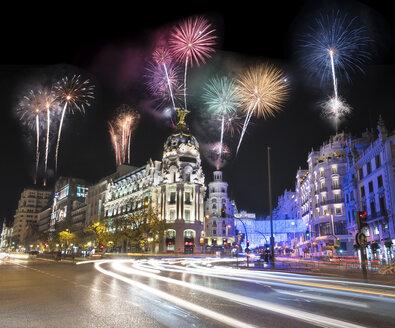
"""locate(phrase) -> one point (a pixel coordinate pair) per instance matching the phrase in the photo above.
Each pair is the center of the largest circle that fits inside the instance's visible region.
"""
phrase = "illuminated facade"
(173, 188)
(369, 186)
(219, 223)
(5, 236)
(69, 203)
(31, 203)
(321, 201)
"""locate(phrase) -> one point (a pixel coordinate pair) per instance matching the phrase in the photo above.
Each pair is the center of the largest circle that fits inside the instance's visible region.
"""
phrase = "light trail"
(290, 280)
(229, 321)
(267, 306)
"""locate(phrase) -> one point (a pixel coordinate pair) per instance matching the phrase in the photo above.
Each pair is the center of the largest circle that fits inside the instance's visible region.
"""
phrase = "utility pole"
(270, 207)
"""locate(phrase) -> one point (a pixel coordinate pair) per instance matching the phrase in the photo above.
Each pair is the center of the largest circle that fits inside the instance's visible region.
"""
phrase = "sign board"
(360, 239)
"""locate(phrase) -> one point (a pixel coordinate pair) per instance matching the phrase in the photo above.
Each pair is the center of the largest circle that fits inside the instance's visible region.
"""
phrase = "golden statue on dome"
(181, 114)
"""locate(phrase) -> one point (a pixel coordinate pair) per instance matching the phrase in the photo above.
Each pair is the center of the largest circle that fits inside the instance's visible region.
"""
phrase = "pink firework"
(162, 56)
(218, 154)
(192, 39)
(163, 82)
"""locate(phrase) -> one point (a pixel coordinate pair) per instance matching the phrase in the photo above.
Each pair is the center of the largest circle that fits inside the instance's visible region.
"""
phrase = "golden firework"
(262, 89)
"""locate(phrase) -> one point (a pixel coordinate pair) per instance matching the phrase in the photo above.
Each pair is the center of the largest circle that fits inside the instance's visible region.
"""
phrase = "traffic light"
(248, 243)
(307, 234)
(223, 213)
(361, 219)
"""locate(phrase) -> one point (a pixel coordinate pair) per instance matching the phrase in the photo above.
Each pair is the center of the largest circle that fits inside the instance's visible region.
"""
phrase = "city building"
(5, 236)
(369, 187)
(320, 201)
(173, 188)
(44, 218)
(97, 194)
(69, 203)
(30, 204)
(219, 214)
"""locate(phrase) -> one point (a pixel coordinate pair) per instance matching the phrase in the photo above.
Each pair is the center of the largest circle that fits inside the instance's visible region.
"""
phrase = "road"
(183, 292)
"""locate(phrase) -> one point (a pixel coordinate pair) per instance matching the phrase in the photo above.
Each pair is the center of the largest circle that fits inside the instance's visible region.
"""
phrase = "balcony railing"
(376, 215)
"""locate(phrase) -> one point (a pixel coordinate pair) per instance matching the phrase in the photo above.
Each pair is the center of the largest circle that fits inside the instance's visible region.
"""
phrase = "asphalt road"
(191, 292)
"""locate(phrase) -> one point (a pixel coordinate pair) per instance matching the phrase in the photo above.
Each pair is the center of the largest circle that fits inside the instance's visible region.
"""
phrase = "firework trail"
(163, 82)
(121, 129)
(262, 90)
(30, 109)
(221, 98)
(73, 94)
(192, 41)
(163, 58)
(48, 101)
(334, 46)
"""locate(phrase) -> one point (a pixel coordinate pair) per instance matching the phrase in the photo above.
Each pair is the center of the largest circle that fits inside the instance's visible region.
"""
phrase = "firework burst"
(335, 109)
(233, 123)
(221, 98)
(218, 154)
(334, 46)
(193, 41)
(73, 94)
(262, 89)
(163, 82)
(30, 110)
(121, 130)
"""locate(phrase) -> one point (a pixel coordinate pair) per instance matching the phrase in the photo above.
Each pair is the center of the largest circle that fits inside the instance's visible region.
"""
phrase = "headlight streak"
(323, 298)
(267, 306)
(298, 277)
(229, 321)
(268, 278)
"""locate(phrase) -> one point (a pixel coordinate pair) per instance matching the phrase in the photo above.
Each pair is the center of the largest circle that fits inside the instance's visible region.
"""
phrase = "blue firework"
(340, 35)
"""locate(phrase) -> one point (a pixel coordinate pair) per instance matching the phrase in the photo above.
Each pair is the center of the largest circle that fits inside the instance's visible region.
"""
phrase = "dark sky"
(109, 45)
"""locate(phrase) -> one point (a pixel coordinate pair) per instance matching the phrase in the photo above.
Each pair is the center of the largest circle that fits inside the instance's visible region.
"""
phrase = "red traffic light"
(362, 215)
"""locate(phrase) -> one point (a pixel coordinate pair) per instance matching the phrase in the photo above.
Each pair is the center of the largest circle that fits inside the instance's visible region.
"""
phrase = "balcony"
(336, 187)
(377, 215)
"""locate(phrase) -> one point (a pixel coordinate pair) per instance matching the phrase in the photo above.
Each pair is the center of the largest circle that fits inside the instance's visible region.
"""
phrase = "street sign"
(360, 239)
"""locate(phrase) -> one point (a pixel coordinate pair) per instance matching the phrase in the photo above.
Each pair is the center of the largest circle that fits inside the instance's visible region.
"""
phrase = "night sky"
(110, 46)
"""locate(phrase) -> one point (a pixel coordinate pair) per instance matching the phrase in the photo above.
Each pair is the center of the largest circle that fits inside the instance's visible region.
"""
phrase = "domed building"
(174, 188)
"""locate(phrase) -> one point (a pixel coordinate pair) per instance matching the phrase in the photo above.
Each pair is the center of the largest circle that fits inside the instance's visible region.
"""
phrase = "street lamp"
(245, 229)
(270, 206)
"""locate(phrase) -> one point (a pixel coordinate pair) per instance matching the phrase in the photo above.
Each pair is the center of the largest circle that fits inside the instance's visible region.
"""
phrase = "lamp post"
(262, 235)
(245, 229)
(270, 207)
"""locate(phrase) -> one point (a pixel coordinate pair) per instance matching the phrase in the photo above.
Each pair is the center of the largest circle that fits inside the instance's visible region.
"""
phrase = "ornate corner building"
(174, 188)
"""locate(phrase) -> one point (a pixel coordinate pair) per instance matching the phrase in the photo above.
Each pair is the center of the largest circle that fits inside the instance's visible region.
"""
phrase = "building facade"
(5, 236)
(173, 188)
(369, 187)
(31, 203)
(68, 203)
(219, 214)
(320, 201)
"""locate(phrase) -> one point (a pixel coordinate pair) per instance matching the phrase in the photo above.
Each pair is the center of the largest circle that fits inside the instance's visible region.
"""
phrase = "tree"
(138, 228)
(66, 237)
